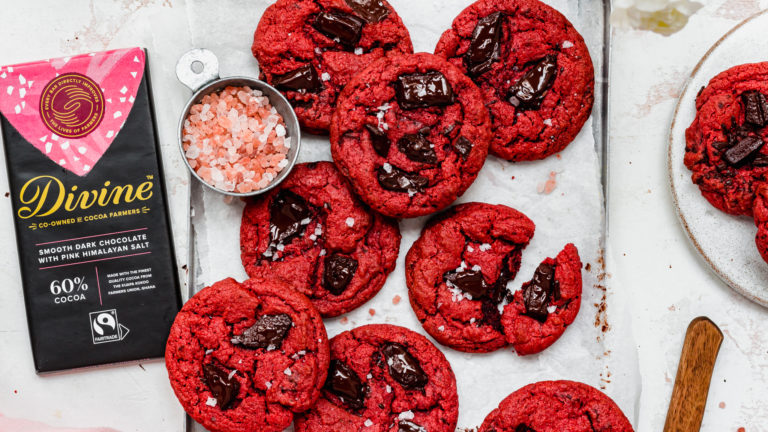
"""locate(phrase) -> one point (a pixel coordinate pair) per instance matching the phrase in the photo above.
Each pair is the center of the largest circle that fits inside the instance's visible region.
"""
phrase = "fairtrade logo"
(72, 105)
(105, 327)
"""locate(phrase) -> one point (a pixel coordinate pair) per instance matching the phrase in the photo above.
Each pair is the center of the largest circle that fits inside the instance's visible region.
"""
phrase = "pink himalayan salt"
(235, 140)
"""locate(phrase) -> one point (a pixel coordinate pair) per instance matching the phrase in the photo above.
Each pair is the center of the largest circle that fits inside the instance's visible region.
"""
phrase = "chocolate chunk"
(340, 26)
(529, 92)
(403, 367)
(721, 145)
(423, 90)
(396, 180)
(304, 78)
(344, 383)
(500, 291)
(372, 11)
(407, 426)
(755, 108)
(742, 150)
(469, 281)
(339, 270)
(286, 213)
(379, 140)
(523, 428)
(463, 147)
(268, 332)
(417, 148)
(539, 291)
(485, 48)
(223, 387)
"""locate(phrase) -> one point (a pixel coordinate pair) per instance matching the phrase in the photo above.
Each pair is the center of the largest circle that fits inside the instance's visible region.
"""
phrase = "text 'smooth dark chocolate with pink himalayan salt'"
(89, 206)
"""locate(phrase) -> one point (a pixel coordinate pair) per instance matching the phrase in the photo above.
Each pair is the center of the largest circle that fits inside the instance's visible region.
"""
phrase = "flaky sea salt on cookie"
(235, 140)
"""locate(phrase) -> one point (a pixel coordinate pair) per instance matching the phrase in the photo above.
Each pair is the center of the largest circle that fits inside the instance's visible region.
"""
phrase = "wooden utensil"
(689, 397)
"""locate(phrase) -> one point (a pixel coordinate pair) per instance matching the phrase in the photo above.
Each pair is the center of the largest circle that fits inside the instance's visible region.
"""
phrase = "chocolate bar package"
(90, 209)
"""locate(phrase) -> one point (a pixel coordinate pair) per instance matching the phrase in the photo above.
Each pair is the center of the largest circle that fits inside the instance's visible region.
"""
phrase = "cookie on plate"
(459, 275)
(534, 70)
(311, 49)
(550, 406)
(314, 235)
(411, 133)
(725, 143)
(244, 357)
(384, 378)
(760, 211)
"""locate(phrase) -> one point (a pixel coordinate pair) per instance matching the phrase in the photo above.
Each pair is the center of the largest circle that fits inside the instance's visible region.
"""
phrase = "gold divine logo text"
(45, 195)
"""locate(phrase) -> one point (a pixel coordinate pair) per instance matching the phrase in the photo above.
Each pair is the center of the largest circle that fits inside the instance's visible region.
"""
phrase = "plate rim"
(670, 175)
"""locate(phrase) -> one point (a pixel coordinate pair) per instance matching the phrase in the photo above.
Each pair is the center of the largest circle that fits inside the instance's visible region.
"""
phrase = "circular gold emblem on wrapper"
(72, 105)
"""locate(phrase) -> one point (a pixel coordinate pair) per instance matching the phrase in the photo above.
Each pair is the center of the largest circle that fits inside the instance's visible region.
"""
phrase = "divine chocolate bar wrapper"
(90, 209)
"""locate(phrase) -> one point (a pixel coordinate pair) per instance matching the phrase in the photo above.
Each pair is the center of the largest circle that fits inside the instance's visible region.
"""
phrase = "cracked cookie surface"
(411, 133)
(725, 143)
(311, 49)
(244, 357)
(554, 406)
(533, 68)
(460, 275)
(384, 378)
(314, 235)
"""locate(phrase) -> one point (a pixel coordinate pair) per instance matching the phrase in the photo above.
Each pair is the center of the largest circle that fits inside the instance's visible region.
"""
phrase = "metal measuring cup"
(198, 69)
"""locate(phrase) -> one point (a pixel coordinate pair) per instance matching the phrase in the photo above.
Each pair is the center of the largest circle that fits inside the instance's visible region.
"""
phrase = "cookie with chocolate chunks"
(534, 70)
(311, 49)
(411, 133)
(760, 211)
(725, 144)
(247, 356)
(557, 406)
(459, 275)
(539, 313)
(384, 378)
(313, 234)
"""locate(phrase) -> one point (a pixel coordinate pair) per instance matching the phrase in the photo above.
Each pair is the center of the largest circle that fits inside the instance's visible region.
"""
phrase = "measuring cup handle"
(202, 60)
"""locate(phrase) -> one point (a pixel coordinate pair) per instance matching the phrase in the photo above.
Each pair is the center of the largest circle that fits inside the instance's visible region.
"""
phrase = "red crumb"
(558, 156)
(15, 392)
(741, 429)
(235, 140)
(547, 187)
(372, 311)
(722, 405)
(396, 299)
(344, 320)
(513, 177)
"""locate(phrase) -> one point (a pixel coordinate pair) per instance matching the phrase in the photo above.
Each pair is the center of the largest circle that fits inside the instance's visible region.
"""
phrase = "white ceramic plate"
(727, 243)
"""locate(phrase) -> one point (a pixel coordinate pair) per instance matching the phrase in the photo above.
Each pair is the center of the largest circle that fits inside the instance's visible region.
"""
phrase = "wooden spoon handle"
(689, 397)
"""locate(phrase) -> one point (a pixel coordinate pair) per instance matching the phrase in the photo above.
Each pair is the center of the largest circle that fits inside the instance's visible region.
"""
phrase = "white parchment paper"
(562, 194)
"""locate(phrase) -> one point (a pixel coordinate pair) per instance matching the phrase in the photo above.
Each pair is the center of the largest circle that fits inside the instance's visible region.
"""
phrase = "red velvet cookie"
(311, 49)
(459, 275)
(534, 70)
(760, 211)
(557, 406)
(384, 378)
(539, 313)
(314, 235)
(411, 133)
(724, 144)
(245, 357)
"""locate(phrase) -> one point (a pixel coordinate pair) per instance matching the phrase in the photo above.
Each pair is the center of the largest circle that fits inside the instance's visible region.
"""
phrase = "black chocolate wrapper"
(91, 305)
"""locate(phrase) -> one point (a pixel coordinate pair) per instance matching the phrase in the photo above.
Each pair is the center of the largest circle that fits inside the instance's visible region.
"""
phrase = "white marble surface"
(651, 266)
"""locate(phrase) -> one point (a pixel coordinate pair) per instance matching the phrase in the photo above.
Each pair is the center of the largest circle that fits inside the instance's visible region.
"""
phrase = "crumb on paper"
(372, 311)
(396, 299)
(548, 186)
(344, 320)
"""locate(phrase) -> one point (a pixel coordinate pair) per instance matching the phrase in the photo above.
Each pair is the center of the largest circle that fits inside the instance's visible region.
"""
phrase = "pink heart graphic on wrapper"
(118, 75)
